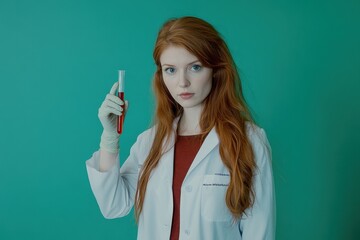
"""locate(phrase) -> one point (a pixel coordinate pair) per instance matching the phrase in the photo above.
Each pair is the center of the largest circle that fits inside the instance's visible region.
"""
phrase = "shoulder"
(143, 143)
(147, 135)
(254, 132)
(260, 144)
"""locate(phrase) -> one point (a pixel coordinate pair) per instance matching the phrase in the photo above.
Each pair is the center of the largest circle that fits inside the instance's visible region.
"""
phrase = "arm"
(259, 221)
(114, 187)
(113, 190)
(107, 160)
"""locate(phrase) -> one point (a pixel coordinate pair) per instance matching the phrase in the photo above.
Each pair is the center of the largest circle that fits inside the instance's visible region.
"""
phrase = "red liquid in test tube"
(120, 121)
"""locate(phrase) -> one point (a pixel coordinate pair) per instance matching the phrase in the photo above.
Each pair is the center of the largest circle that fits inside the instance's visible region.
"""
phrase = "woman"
(203, 171)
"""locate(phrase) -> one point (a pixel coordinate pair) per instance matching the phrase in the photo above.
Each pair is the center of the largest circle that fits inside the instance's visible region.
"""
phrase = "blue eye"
(196, 67)
(170, 70)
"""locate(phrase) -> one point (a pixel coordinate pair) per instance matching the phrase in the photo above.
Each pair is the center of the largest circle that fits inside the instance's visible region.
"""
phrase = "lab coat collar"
(210, 142)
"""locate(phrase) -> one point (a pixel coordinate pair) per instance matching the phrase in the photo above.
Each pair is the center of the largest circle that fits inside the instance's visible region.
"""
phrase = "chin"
(189, 105)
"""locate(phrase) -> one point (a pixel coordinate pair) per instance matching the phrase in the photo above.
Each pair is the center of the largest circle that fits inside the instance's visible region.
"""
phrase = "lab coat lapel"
(168, 155)
(208, 145)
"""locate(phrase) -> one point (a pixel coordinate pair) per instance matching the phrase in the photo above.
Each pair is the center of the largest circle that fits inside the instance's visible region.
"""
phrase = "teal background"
(300, 66)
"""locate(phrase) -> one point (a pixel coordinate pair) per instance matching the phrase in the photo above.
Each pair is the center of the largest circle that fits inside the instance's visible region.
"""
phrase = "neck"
(190, 121)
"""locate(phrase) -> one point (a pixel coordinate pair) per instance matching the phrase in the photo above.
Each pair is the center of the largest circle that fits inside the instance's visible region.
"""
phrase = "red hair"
(224, 108)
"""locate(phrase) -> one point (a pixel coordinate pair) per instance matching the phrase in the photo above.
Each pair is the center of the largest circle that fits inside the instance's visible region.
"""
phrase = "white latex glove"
(108, 113)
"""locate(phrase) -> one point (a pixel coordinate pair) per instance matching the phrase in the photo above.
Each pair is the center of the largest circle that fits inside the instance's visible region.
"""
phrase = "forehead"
(174, 55)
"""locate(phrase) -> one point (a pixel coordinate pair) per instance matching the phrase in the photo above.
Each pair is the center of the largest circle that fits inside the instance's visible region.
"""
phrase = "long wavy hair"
(224, 108)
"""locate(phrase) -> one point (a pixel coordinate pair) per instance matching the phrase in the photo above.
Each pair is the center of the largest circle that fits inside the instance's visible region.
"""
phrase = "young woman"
(203, 171)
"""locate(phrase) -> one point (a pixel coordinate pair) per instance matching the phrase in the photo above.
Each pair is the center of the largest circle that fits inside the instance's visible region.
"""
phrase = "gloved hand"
(110, 109)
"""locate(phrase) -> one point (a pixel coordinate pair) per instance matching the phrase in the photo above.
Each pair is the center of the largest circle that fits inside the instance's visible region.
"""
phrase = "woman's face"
(187, 80)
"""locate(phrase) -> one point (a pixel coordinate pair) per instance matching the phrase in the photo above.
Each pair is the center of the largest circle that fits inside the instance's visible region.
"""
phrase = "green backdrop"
(300, 66)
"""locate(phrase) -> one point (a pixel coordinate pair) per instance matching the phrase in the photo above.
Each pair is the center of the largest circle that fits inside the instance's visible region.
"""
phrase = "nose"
(183, 80)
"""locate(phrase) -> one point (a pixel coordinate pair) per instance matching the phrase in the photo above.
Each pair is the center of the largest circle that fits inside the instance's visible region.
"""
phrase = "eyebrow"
(165, 64)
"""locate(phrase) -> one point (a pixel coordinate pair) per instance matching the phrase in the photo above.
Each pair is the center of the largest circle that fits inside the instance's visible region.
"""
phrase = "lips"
(186, 95)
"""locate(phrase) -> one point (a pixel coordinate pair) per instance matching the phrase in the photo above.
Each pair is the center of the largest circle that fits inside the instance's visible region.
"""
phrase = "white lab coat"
(203, 212)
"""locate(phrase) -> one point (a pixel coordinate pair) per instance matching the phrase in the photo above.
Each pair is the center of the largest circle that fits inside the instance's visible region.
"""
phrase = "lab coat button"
(188, 188)
(187, 232)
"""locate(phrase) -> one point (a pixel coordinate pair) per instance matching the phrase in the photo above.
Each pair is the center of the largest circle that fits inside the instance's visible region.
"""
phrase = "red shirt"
(186, 148)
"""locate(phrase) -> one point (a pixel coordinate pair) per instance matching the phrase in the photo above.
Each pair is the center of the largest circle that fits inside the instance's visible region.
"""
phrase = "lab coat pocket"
(213, 204)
